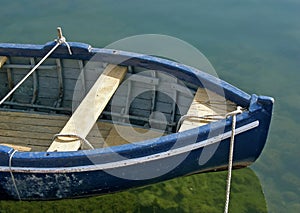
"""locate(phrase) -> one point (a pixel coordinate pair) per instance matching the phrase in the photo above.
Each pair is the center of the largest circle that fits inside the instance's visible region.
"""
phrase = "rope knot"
(62, 40)
(238, 110)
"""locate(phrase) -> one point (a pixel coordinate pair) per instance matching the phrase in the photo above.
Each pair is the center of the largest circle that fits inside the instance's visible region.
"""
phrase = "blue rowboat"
(89, 121)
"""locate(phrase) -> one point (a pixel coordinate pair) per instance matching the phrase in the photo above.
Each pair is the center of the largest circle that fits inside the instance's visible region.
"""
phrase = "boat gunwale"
(133, 161)
(82, 51)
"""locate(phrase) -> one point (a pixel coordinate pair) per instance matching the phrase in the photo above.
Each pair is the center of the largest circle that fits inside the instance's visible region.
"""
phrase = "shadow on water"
(195, 193)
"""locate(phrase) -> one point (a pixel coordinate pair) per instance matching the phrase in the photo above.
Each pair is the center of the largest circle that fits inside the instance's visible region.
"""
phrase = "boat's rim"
(122, 162)
(82, 51)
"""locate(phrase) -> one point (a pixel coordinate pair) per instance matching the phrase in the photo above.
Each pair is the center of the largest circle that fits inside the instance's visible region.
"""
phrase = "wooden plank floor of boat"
(206, 103)
(27, 131)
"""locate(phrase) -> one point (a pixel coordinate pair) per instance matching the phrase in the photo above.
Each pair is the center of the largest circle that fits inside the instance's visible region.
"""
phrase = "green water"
(253, 44)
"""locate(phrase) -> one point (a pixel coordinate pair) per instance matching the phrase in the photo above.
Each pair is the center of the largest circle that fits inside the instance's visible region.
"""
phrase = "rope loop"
(196, 117)
(75, 138)
(238, 110)
(62, 40)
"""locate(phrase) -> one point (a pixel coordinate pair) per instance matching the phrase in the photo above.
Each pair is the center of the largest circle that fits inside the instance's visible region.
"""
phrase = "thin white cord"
(230, 160)
(60, 40)
(12, 175)
(29, 73)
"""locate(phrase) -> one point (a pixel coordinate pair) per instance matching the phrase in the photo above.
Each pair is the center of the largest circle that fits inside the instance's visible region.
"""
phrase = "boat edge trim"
(133, 161)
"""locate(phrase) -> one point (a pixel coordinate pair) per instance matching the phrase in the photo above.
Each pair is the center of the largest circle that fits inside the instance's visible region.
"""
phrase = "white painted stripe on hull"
(129, 162)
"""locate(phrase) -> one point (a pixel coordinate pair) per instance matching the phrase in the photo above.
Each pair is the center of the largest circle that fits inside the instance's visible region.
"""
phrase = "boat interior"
(68, 104)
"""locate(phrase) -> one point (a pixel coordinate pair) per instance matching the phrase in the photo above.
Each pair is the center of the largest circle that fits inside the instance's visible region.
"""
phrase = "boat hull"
(57, 175)
(44, 176)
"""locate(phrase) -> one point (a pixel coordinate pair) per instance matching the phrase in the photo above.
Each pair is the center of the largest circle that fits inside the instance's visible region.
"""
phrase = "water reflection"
(195, 193)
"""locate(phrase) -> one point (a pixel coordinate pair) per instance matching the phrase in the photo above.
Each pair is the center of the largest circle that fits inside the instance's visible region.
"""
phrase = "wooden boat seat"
(3, 59)
(206, 103)
(87, 113)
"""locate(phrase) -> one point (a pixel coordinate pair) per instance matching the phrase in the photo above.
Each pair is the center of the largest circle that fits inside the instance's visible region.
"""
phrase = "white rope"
(230, 160)
(76, 137)
(12, 175)
(206, 117)
(59, 41)
(62, 40)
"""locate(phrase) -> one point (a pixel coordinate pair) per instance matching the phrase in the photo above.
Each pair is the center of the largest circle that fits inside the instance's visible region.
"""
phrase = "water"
(254, 45)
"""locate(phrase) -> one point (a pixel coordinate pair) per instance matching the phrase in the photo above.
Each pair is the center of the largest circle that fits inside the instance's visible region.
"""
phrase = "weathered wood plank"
(33, 121)
(127, 134)
(33, 115)
(26, 134)
(90, 108)
(205, 103)
(3, 59)
(26, 127)
(33, 118)
(17, 147)
(97, 142)
(36, 131)
(26, 141)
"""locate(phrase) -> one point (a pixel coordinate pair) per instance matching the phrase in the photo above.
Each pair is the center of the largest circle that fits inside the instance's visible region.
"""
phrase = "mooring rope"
(76, 137)
(230, 160)
(12, 175)
(60, 40)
